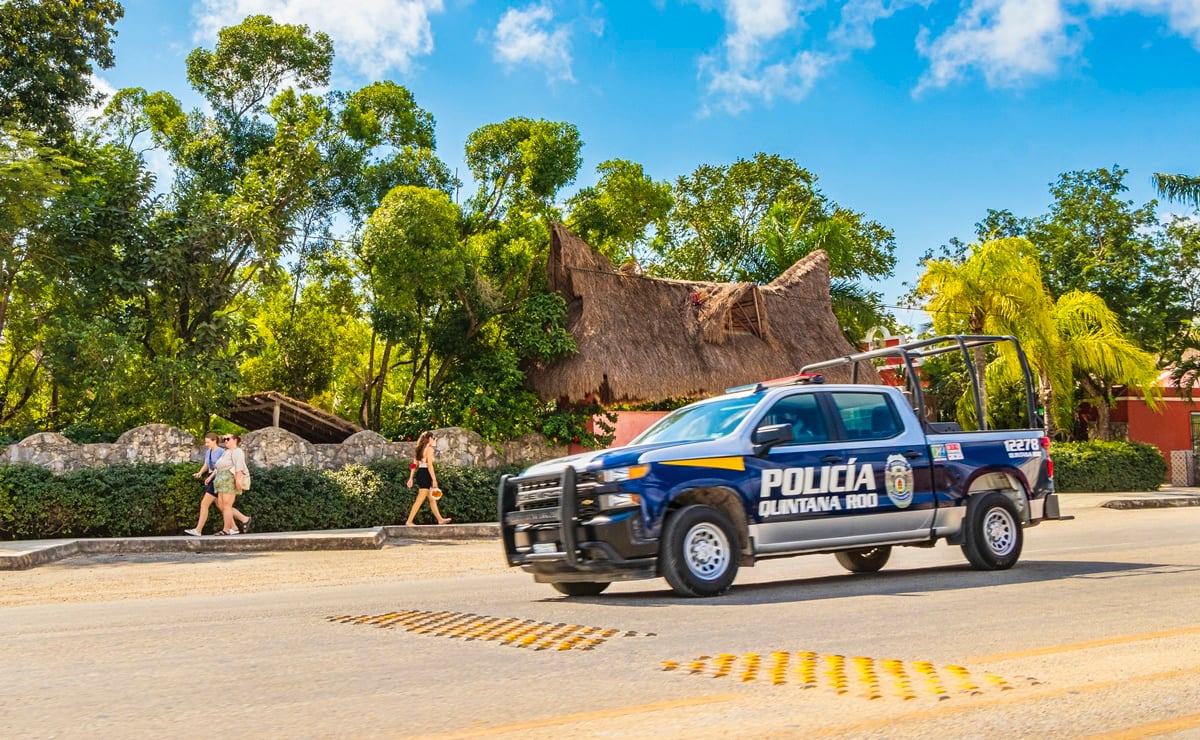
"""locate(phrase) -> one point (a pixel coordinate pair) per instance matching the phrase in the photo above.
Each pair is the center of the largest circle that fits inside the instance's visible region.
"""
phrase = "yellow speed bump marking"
(522, 633)
(860, 675)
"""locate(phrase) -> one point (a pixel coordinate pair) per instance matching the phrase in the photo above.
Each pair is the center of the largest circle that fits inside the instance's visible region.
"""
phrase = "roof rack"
(762, 385)
(962, 343)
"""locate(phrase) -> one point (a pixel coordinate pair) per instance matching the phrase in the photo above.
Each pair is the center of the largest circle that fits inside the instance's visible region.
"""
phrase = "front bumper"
(551, 527)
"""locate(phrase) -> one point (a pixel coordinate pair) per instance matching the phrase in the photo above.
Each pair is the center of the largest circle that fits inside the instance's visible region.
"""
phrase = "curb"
(1151, 503)
(40, 553)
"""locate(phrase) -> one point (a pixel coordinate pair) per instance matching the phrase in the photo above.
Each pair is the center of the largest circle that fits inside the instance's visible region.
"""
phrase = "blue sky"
(921, 114)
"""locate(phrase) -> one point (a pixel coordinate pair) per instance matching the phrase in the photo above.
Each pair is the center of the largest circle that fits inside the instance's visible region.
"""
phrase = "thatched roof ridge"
(646, 339)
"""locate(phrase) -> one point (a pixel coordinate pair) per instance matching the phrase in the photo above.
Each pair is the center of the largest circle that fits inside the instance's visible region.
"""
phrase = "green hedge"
(146, 499)
(1107, 466)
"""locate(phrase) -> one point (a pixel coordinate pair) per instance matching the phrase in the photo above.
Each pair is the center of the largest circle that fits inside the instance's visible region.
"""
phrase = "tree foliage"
(998, 289)
(47, 52)
(750, 221)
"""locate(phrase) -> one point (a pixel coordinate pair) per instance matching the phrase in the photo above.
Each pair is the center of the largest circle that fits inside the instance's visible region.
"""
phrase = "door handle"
(913, 454)
(831, 459)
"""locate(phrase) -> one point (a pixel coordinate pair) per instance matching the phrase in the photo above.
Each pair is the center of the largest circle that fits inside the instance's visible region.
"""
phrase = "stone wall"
(270, 447)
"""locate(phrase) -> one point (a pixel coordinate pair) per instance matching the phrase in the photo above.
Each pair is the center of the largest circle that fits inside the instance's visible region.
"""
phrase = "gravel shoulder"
(87, 578)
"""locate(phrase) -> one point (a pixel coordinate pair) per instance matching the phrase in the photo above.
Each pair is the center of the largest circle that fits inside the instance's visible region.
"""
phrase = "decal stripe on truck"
(726, 463)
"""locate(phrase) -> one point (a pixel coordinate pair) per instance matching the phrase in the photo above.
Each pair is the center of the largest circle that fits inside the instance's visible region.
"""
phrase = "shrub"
(150, 499)
(1107, 466)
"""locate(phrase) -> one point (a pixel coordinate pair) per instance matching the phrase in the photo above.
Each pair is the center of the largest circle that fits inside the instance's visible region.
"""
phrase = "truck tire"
(700, 555)
(992, 533)
(867, 560)
(580, 588)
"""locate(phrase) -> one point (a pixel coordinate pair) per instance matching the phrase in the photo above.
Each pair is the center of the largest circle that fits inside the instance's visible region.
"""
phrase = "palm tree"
(1094, 346)
(1182, 188)
(997, 289)
(1088, 348)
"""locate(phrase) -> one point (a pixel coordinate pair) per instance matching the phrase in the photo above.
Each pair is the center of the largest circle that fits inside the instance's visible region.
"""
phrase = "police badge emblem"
(898, 478)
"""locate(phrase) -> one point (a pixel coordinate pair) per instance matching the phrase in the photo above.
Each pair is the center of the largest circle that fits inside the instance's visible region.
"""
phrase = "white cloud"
(765, 56)
(748, 67)
(753, 24)
(1006, 40)
(857, 28)
(735, 89)
(529, 37)
(1183, 16)
(372, 35)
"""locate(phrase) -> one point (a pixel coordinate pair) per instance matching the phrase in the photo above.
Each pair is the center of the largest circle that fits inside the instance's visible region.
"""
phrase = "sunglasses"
(226, 439)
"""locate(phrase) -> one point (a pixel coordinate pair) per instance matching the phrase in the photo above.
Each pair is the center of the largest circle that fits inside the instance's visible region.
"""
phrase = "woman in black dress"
(421, 471)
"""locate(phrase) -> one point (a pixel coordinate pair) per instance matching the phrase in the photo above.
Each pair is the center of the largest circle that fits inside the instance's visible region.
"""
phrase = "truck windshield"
(699, 422)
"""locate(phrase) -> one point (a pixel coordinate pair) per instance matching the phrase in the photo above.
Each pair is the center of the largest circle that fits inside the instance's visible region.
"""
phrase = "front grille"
(544, 493)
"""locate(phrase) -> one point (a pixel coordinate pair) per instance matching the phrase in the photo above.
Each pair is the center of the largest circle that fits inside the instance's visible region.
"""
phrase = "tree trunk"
(1103, 417)
(364, 405)
(1099, 397)
(380, 383)
(1046, 397)
(978, 388)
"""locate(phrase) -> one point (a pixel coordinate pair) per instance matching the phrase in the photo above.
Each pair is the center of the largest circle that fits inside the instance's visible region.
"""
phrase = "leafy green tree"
(416, 266)
(520, 165)
(244, 180)
(1095, 240)
(613, 215)
(32, 176)
(306, 335)
(752, 220)
(47, 52)
(87, 234)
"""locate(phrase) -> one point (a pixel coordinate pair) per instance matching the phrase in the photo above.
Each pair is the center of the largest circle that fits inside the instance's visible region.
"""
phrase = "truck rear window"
(866, 415)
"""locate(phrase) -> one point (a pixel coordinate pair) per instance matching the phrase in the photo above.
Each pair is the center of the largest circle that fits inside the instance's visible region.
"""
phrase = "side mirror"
(764, 438)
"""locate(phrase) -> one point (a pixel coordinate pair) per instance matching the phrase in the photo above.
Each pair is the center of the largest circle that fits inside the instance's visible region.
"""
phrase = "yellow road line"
(1052, 649)
(1005, 700)
(567, 719)
(1151, 729)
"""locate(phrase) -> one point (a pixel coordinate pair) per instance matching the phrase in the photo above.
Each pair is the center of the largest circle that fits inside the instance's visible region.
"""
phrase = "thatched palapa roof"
(648, 339)
(273, 409)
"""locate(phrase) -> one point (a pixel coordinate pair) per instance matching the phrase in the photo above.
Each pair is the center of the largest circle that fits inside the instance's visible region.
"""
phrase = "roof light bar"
(762, 385)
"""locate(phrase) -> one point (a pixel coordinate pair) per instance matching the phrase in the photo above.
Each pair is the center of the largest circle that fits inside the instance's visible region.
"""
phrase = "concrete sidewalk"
(22, 554)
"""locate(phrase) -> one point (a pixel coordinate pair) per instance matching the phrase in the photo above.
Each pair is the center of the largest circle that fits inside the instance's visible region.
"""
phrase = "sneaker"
(192, 532)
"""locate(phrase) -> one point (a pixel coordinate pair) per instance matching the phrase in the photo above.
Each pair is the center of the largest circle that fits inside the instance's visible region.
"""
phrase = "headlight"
(618, 500)
(613, 475)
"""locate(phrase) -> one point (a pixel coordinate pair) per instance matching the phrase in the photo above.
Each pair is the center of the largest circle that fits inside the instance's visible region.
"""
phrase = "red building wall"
(1169, 428)
(629, 425)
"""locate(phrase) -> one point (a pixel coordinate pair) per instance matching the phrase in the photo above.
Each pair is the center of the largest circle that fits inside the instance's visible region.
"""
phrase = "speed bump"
(522, 633)
(859, 675)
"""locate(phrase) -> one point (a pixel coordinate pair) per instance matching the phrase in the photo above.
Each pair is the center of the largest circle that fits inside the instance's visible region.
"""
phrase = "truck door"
(895, 499)
(793, 500)
(853, 475)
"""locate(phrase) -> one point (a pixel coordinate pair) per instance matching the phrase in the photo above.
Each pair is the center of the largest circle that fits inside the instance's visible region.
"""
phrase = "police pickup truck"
(788, 467)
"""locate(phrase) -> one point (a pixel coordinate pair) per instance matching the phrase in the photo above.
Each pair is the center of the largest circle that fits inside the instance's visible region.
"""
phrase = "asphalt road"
(1095, 633)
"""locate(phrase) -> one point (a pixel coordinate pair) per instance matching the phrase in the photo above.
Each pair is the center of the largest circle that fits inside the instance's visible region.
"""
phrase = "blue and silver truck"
(793, 466)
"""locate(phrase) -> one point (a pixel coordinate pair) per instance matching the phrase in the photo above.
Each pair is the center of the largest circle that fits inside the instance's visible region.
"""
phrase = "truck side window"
(866, 415)
(803, 413)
